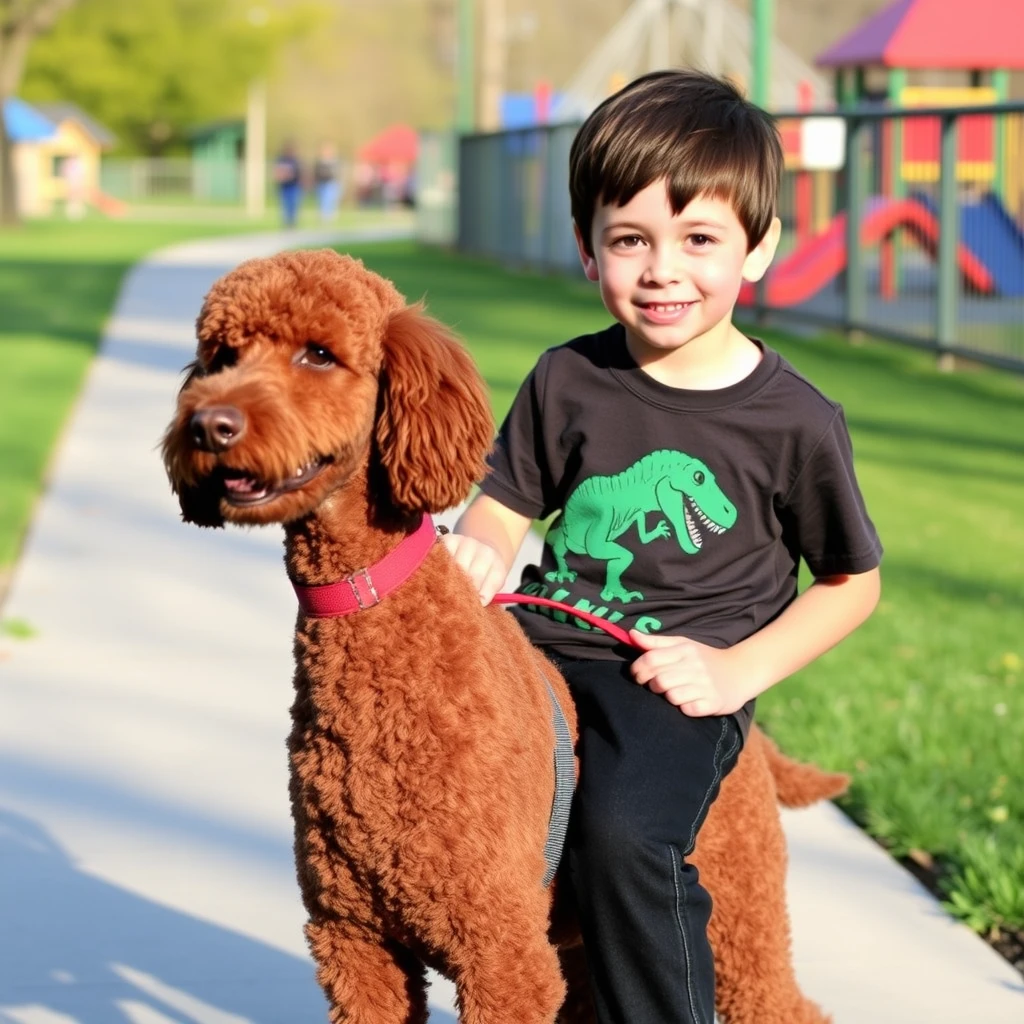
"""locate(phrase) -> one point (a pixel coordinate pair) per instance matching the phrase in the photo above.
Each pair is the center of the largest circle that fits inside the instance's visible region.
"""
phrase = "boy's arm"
(485, 542)
(704, 680)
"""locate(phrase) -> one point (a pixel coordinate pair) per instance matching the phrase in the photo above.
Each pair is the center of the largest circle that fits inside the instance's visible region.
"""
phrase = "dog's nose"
(216, 429)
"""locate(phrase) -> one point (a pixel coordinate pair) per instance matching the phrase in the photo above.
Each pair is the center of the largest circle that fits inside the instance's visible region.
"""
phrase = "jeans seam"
(680, 915)
(718, 761)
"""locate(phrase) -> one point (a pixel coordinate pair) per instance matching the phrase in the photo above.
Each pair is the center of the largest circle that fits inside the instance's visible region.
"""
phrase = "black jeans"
(648, 775)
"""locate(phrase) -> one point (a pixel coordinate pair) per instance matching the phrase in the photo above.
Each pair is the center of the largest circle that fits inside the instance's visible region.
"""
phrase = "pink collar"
(366, 587)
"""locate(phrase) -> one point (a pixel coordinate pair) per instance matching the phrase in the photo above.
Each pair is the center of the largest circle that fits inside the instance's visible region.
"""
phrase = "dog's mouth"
(245, 491)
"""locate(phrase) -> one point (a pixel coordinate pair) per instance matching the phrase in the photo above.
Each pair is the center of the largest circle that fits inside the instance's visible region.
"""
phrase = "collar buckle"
(363, 589)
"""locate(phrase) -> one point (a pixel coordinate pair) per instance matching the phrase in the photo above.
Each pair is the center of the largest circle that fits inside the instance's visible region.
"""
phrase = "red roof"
(957, 34)
(397, 144)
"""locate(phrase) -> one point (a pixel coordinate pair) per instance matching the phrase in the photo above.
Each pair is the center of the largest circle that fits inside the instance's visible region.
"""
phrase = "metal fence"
(904, 224)
(173, 179)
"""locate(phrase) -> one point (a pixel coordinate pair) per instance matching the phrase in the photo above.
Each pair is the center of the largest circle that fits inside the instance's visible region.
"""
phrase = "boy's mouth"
(664, 312)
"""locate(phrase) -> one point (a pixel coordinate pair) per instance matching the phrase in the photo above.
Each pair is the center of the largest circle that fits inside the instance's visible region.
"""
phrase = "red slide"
(809, 268)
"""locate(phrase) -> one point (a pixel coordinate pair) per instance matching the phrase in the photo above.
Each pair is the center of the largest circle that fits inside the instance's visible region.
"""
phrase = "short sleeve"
(519, 476)
(825, 508)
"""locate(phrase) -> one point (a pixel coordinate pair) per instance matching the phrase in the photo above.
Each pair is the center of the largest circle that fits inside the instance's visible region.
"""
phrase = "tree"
(21, 22)
(150, 70)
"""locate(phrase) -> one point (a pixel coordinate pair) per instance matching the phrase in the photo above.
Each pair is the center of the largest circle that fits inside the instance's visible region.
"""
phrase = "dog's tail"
(798, 784)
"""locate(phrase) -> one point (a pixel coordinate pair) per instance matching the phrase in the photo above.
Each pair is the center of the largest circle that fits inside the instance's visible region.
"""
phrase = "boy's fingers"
(654, 662)
(684, 695)
(700, 708)
(491, 583)
(651, 641)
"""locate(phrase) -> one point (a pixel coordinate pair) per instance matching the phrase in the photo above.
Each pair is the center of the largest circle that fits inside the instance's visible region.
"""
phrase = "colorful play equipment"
(990, 254)
(978, 37)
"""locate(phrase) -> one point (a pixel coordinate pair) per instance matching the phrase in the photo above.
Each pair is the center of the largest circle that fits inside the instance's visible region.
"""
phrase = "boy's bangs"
(726, 170)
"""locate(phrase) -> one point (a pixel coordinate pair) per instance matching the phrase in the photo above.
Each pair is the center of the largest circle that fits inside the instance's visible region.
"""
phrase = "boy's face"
(672, 280)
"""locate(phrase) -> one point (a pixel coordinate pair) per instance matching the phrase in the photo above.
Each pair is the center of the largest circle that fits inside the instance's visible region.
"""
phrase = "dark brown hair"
(693, 130)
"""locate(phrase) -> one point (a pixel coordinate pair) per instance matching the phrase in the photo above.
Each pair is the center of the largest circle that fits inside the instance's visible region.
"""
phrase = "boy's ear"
(760, 257)
(588, 261)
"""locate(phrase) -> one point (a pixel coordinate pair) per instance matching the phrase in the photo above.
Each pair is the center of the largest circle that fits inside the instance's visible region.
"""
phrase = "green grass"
(924, 704)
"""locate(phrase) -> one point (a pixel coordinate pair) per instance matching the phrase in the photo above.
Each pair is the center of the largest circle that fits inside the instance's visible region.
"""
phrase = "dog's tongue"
(245, 486)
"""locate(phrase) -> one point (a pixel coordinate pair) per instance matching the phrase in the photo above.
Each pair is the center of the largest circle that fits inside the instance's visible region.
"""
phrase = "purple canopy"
(975, 35)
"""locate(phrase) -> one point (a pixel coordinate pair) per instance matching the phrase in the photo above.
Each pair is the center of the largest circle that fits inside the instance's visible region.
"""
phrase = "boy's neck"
(713, 361)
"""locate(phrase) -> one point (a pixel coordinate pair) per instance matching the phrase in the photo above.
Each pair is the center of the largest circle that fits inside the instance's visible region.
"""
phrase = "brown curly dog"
(422, 741)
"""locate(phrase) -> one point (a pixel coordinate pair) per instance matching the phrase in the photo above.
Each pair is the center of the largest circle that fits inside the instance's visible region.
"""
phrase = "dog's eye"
(316, 355)
(224, 357)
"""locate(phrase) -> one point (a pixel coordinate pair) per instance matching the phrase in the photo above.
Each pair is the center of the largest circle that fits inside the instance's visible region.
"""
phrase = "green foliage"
(152, 69)
(986, 888)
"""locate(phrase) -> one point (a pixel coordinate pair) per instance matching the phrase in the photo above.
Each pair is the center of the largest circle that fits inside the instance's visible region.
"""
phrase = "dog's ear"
(435, 425)
(200, 503)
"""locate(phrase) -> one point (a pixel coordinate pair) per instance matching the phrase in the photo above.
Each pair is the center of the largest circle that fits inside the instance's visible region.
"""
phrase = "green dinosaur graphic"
(602, 508)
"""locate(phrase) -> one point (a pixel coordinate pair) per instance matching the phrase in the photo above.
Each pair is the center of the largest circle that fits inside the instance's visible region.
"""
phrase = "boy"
(693, 468)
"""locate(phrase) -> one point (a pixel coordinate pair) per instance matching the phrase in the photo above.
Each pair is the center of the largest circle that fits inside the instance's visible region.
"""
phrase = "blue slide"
(996, 239)
(993, 236)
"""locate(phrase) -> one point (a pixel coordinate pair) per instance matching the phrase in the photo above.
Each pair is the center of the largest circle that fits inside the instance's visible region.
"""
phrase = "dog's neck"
(343, 535)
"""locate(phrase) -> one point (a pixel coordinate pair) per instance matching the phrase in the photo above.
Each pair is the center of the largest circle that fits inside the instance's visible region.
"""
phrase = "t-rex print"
(602, 508)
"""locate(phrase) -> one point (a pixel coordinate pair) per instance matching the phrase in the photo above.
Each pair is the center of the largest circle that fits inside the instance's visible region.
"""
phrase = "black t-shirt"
(679, 512)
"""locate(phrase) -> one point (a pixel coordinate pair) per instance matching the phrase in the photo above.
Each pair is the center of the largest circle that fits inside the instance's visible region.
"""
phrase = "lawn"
(924, 705)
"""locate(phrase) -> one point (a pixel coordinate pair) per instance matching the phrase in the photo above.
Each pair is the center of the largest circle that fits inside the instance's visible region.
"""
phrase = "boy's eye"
(701, 240)
(628, 242)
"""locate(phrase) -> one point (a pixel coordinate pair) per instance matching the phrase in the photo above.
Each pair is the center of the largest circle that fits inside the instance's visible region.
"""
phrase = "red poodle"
(422, 767)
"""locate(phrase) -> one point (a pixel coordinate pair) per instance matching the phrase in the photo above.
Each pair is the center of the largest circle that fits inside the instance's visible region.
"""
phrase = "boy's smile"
(672, 280)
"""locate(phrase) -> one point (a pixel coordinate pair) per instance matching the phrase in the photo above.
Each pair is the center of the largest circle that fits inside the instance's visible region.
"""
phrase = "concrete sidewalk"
(145, 843)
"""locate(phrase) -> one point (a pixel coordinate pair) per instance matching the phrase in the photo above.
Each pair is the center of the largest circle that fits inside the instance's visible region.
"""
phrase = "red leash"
(592, 620)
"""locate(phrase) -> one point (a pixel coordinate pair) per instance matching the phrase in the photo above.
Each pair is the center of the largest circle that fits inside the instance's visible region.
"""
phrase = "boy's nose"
(663, 267)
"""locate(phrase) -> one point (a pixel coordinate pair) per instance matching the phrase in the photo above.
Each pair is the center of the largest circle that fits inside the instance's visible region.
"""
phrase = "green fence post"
(949, 240)
(763, 13)
(1001, 85)
(856, 280)
(465, 93)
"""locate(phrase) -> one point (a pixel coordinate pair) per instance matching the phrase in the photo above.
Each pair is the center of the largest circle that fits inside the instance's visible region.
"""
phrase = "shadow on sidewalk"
(75, 949)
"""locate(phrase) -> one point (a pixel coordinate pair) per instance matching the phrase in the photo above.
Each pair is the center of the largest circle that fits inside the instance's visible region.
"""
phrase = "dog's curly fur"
(421, 745)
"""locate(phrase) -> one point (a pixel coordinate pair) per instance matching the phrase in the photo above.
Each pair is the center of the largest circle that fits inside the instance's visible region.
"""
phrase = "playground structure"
(711, 34)
(902, 171)
(57, 149)
(990, 255)
(903, 222)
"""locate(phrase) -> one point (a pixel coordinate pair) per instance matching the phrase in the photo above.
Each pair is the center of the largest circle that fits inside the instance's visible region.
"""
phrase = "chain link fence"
(904, 224)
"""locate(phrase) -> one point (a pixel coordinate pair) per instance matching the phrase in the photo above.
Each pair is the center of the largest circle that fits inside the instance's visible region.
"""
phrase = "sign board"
(822, 143)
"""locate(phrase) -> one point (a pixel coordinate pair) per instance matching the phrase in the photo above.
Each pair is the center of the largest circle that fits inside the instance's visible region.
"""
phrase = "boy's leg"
(648, 775)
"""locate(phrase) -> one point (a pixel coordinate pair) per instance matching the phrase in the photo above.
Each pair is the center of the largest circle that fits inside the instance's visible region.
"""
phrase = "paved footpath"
(145, 853)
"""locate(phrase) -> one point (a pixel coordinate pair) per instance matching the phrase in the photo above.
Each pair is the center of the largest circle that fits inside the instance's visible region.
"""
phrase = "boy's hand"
(696, 678)
(483, 563)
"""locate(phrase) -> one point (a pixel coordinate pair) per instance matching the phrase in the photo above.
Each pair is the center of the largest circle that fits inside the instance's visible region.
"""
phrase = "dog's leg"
(742, 854)
(366, 980)
(506, 971)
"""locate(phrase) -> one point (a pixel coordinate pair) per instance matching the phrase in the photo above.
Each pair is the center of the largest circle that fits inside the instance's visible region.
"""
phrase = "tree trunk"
(8, 188)
(20, 22)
